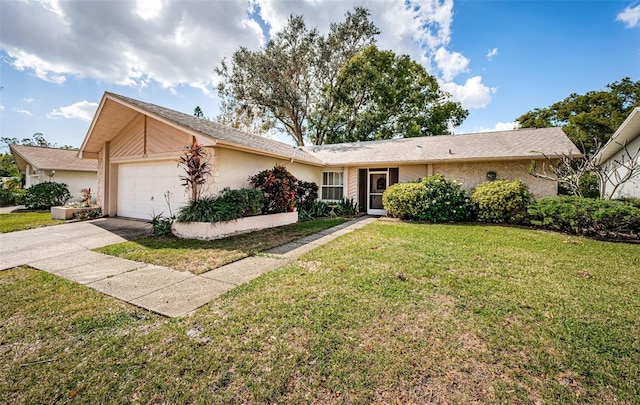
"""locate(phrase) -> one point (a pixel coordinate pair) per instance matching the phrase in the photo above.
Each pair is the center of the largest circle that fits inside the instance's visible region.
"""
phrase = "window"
(332, 185)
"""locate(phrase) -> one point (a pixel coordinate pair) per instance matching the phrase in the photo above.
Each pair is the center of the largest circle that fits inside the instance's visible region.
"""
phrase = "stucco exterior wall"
(74, 180)
(631, 188)
(233, 168)
(472, 174)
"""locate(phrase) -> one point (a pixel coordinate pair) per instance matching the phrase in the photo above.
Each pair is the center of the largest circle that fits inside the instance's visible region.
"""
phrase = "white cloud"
(500, 126)
(450, 63)
(472, 94)
(630, 16)
(82, 110)
(22, 111)
(491, 53)
(171, 42)
(175, 43)
(28, 100)
(1, 107)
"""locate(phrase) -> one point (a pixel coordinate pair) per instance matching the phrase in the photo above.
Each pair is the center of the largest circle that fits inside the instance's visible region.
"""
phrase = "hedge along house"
(137, 145)
(41, 164)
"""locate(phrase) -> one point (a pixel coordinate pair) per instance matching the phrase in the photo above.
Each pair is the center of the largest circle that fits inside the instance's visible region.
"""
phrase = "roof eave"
(629, 129)
(243, 148)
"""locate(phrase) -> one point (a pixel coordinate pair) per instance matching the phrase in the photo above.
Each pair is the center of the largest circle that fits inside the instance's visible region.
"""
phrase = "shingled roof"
(500, 145)
(42, 158)
(221, 133)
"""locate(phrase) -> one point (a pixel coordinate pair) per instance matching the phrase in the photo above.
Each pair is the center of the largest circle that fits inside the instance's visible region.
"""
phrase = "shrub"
(432, 199)
(501, 201)
(318, 209)
(634, 202)
(346, 207)
(209, 209)
(307, 195)
(249, 200)
(586, 216)
(278, 186)
(11, 196)
(45, 195)
(161, 225)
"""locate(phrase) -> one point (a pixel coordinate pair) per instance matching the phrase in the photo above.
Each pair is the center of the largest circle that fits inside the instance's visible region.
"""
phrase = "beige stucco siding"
(472, 174)
(75, 180)
(233, 168)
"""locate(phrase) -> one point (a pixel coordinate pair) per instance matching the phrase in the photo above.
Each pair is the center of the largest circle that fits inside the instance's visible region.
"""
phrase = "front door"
(378, 182)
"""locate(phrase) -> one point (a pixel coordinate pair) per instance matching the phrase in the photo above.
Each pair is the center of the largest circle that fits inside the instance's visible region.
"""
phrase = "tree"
(244, 117)
(379, 95)
(573, 173)
(284, 82)
(8, 167)
(591, 118)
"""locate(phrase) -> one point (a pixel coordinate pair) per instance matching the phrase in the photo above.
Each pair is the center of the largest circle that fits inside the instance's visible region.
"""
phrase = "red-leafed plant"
(279, 188)
(197, 167)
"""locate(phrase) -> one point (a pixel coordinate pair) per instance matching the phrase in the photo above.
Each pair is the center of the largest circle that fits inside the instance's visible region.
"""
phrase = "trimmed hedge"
(586, 216)
(45, 195)
(501, 201)
(432, 199)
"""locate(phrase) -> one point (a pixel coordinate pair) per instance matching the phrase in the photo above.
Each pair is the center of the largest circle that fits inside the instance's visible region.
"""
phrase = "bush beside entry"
(433, 199)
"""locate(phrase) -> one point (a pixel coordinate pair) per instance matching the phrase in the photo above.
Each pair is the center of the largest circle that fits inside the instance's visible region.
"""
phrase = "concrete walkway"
(64, 250)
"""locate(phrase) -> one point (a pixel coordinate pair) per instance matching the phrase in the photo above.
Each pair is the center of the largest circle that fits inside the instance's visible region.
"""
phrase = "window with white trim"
(332, 186)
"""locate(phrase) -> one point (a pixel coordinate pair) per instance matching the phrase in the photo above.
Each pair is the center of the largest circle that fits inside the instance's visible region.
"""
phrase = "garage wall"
(233, 168)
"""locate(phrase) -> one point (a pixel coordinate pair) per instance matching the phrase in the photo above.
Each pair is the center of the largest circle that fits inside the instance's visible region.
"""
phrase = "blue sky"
(500, 59)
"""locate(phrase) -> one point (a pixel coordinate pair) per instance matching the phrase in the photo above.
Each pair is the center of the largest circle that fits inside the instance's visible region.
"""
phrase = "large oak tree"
(380, 95)
(588, 119)
(284, 82)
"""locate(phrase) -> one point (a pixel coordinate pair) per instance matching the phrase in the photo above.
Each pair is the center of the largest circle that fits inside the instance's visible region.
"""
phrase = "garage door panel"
(142, 187)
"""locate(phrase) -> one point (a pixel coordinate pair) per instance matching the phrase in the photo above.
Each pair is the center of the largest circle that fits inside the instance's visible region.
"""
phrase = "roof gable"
(628, 131)
(43, 158)
(124, 109)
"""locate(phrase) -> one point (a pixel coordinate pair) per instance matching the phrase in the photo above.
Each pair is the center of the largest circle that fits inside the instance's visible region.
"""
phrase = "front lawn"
(199, 256)
(391, 313)
(19, 221)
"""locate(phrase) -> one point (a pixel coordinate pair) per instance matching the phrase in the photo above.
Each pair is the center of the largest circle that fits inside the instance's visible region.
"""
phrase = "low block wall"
(219, 230)
(67, 213)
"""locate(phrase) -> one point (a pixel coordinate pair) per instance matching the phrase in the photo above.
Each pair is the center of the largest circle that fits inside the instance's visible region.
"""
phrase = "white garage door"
(142, 188)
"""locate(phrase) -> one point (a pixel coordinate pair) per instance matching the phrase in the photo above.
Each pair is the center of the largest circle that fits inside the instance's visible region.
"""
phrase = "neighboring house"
(627, 135)
(40, 164)
(137, 145)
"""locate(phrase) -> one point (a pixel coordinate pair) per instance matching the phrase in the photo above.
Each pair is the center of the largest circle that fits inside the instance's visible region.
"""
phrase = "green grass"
(201, 256)
(19, 221)
(391, 313)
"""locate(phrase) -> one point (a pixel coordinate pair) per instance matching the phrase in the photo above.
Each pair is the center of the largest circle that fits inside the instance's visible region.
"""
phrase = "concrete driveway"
(34, 245)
